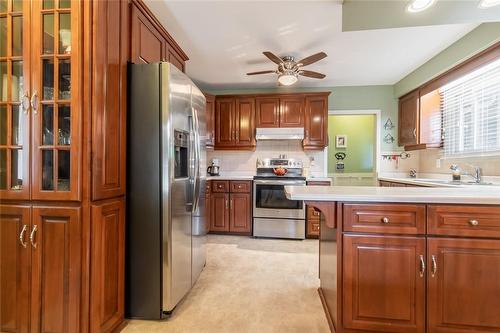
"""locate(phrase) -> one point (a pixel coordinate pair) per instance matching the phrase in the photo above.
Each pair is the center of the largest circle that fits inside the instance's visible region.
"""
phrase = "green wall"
(475, 41)
(360, 131)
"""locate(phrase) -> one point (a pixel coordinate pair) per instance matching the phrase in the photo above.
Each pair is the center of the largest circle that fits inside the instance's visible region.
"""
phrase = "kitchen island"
(408, 260)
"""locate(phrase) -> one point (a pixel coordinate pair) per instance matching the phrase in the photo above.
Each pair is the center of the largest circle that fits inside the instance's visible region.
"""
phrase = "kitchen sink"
(450, 182)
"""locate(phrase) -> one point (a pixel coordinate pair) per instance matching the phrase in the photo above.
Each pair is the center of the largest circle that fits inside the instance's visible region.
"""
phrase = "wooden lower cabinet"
(463, 288)
(219, 212)
(15, 265)
(240, 213)
(107, 265)
(384, 284)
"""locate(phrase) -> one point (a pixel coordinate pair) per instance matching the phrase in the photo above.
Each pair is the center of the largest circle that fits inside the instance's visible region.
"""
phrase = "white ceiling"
(225, 39)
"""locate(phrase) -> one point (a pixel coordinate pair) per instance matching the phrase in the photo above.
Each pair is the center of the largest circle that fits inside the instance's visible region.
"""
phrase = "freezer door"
(199, 223)
(177, 185)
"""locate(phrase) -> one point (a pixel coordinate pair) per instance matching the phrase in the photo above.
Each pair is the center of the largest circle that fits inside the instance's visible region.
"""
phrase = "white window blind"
(470, 109)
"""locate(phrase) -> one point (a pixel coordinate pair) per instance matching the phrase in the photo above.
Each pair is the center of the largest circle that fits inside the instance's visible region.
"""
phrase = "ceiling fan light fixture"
(287, 79)
(485, 4)
(416, 6)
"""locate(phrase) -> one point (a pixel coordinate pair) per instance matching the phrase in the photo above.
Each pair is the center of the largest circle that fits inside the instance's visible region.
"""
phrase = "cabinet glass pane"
(48, 79)
(3, 125)
(47, 125)
(17, 81)
(3, 36)
(17, 36)
(64, 3)
(65, 33)
(63, 170)
(64, 121)
(17, 126)
(16, 169)
(3, 81)
(3, 6)
(47, 170)
(48, 4)
(17, 5)
(3, 169)
(64, 79)
(48, 33)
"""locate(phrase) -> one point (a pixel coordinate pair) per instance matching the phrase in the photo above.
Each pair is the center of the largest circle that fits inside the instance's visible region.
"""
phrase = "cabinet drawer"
(220, 186)
(472, 221)
(313, 213)
(385, 218)
(241, 186)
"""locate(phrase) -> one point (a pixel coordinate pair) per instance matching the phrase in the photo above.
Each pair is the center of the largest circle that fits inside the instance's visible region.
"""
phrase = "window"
(470, 109)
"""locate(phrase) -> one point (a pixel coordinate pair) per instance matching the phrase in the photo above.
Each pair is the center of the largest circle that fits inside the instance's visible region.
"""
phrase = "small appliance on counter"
(214, 169)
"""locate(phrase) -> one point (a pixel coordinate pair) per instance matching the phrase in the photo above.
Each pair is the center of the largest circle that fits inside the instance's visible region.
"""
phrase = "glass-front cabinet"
(40, 75)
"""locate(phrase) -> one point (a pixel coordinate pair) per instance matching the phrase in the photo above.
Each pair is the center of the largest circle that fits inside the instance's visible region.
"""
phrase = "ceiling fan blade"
(312, 59)
(261, 72)
(274, 58)
(314, 75)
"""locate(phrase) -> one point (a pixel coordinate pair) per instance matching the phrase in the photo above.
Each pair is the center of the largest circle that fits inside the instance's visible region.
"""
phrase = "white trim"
(378, 122)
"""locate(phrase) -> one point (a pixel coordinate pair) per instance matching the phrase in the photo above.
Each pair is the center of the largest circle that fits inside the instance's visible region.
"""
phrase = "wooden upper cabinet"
(316, 122)
(267, 112)
(384, 284)
(57, 62)
(292, 111)
(147, 44)
(108, 266)
(225, 113)
(463, 286)
(56, 277)
(14, 268)
(210, 119)
(408, 119)
(173, 57)
(109, 104)
(245, 122)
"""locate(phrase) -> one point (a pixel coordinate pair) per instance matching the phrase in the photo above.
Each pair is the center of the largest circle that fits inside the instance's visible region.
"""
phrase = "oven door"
(269, 200)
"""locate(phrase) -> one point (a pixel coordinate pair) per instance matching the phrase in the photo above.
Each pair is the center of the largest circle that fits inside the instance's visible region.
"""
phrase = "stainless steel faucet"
(478, 174)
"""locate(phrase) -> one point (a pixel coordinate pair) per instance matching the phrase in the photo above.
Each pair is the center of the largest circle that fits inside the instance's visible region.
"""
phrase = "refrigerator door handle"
(196, 189)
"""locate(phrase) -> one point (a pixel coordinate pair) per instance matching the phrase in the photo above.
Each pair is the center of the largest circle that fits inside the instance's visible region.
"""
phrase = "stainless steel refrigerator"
(166, 227)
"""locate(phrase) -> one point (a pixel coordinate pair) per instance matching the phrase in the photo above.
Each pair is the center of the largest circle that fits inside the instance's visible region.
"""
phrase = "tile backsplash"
(429, 164)
(246, 161)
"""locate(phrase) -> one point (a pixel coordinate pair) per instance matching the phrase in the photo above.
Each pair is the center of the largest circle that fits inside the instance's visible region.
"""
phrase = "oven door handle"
(280, 182)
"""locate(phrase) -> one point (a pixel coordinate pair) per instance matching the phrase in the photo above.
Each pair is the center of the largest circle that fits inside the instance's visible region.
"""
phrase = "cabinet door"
(245, 122)
(463, 293)
(316, 122)
(224, 122)
(219, 211)
(173, 57)
(107, 266)
(15, 88)
(240, 217)
(267, 112)
(384, 284)
(292, 111)
(14, 268)
(210, 118)
(408, 119)
(56, 242)
(147, 45)
(109, 91)
(57, 99)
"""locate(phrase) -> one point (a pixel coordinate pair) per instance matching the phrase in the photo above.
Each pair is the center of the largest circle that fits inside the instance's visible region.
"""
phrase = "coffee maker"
(214, 168)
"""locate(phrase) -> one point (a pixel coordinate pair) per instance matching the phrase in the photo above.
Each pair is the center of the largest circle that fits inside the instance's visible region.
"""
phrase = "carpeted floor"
(250, 285)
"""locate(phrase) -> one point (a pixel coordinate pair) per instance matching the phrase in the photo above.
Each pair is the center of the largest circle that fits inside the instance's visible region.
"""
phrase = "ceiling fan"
(289, 70)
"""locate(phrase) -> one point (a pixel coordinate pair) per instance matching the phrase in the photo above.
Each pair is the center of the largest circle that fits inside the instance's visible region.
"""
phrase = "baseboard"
(120, 327)
(327, 313)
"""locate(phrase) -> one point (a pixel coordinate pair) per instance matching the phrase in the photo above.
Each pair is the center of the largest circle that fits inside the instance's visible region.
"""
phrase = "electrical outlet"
(438, 163)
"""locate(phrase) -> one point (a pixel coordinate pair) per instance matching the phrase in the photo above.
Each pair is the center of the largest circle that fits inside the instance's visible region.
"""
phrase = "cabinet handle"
(34, 102)
(32, 236)
(385, 220)
(227, 204)
(25, 103)
(422, 266)
(231, 204)
(21, 236)
(474, 222)
(415, 133)
(307, 134)
(239, 186)
(434, 266)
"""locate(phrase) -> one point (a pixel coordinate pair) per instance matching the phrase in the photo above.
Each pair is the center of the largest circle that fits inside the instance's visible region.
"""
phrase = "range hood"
(290, 133)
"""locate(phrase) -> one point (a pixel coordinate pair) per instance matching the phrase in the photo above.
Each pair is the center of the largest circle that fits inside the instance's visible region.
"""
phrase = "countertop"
(467, 194)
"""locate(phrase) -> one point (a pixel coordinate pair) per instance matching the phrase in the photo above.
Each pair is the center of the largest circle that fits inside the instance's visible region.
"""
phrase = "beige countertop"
(467, 194)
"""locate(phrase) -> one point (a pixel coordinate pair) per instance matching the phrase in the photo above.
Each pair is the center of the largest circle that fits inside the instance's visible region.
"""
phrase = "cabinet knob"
(239, 186)
(385, 220)
(474, 222)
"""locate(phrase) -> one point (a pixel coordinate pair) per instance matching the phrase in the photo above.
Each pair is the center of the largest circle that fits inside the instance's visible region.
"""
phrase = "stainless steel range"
(273, 214)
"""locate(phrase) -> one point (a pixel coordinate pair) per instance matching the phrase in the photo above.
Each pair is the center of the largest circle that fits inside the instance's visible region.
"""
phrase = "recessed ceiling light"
(483, 4)
(416, 6)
